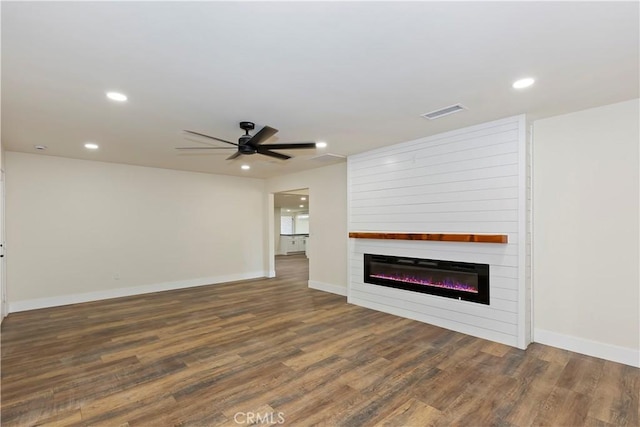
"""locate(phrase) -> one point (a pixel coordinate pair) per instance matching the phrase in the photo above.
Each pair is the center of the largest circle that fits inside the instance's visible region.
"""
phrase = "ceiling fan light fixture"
(523, 83)
(117, 96)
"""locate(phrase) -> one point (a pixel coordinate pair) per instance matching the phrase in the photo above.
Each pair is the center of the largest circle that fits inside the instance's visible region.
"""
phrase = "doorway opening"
(291, 224)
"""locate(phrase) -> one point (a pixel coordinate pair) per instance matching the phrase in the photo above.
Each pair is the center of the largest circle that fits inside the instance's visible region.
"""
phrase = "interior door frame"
(3, 266)
(270, 250)
(271, 242)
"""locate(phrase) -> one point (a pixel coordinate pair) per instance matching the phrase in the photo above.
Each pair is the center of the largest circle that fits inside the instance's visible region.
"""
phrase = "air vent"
(443, 112)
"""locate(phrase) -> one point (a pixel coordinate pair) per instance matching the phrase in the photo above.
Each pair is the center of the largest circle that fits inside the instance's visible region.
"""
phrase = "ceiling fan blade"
(269, 153)
(293, 145)
(212, 137)
(264, 134)
(204, 148)
(234, 156)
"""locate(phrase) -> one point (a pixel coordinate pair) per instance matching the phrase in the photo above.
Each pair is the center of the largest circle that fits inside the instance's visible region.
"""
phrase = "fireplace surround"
(459, 280)
(464, 196)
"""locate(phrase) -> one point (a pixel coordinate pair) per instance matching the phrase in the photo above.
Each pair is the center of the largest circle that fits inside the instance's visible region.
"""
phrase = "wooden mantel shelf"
(449, 237)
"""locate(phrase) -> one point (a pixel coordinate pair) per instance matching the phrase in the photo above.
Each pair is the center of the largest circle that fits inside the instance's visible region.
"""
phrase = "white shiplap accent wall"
(473, 180)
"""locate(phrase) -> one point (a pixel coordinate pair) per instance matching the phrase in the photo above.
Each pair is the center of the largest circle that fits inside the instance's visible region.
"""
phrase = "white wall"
(82, 230)
(327, 248)
(586, 234)
(471, 180)
(276, 231)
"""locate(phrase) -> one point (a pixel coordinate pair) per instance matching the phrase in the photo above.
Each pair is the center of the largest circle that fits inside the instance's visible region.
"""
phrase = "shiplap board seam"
(508, 169)
(478, 185)
(498, 318)
(425, 143)
(402, 156)
(401, 164)
(441, 320)
(443, 202)
(481, 138)
(420, 185)
(421, 162)
(503, 338)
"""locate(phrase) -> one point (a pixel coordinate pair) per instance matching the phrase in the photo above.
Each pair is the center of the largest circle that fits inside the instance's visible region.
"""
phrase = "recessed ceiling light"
(303, 198)
(302, 206)
(522, 83)
(245, 167)
(40, 147)
(321, 144)
(116, 96)
(91, 146)
(288, 210)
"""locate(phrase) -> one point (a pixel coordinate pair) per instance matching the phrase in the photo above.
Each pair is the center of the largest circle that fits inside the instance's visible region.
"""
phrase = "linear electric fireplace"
(459, 280)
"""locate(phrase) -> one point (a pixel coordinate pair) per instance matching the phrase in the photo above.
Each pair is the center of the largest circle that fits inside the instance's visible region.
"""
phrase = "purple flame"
(447, 283)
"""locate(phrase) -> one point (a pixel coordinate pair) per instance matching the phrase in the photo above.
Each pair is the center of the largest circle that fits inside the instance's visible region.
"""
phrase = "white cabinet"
(293, 244)
(286, 244)
(301, 243)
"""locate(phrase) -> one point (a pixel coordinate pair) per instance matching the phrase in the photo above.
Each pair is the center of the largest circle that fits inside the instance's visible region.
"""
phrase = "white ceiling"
(354, 74)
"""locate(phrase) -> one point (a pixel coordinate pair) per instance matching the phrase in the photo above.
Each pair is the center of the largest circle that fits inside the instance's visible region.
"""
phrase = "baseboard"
(328, 287)
(614, 353)
(34, 304)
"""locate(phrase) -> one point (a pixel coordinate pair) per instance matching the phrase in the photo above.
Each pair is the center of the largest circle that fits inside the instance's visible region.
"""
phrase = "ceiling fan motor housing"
(246, 148)
(247, 126)
(243, 147)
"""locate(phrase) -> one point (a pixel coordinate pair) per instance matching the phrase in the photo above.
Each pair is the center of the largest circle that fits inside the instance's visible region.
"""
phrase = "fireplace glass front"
(460, 280)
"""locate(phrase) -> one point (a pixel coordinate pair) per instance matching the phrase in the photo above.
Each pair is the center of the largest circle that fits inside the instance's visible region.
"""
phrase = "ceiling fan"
(248, 144)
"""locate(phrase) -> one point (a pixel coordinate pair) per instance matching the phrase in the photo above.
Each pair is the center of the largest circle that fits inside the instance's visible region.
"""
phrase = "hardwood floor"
(272, 351)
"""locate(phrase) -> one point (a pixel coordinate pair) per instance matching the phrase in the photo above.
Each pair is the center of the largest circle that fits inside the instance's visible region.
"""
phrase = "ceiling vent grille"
(443, 111)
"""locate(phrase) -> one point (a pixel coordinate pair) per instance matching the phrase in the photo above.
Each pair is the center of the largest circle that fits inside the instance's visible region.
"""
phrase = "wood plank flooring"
(272, 351)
